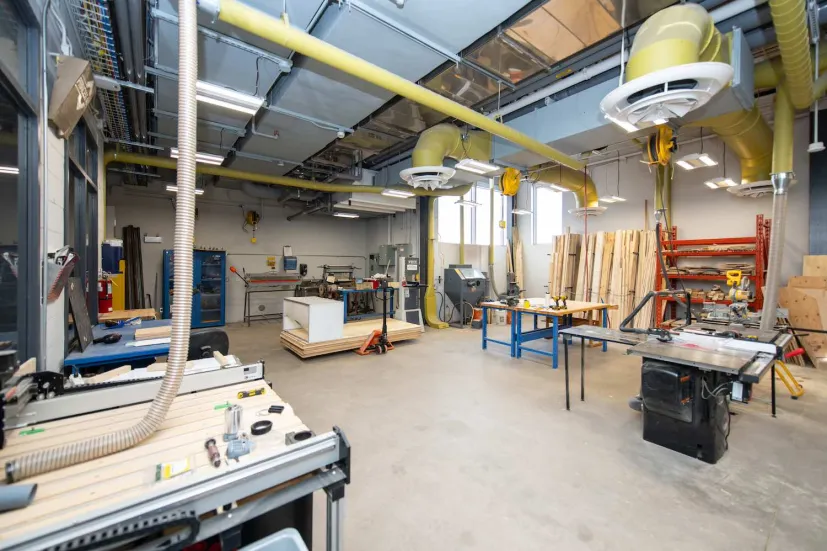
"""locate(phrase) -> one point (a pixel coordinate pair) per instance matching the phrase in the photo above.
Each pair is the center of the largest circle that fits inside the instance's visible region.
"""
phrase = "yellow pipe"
(461, 234)
(782, 152)
(446, 140)
(285, 181)
(674, 36)
(431, 317)
(281, 32)
(789, 18)
(749, 136)
(663, 189)
(769, 73)
(686, 34)
(577, 182)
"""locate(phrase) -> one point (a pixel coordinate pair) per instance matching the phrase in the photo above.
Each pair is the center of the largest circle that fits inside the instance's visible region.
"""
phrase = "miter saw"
(739, 295)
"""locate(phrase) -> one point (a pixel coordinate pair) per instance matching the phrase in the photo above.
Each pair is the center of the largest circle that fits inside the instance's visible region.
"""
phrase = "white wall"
(56, 318)
(698, 212)
(316, 239)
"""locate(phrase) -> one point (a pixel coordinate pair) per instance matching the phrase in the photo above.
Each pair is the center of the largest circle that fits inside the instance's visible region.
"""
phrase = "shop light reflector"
(204, 158)
(229, 99)
(174, 189)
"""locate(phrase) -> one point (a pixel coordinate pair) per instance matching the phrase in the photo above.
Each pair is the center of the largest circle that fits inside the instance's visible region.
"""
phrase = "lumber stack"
(806, 299)
(612, 267)
(354, 335)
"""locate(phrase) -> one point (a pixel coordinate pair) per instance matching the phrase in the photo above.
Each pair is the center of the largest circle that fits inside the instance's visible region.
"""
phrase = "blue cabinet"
(208, 287)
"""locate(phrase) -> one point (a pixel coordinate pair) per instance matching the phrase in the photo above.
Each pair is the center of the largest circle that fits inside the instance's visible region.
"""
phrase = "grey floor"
(459, 448)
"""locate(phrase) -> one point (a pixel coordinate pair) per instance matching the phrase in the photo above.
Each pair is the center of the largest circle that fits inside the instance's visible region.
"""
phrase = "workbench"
(121, 315)
(560, 319)
(117, 354)
(118, 495)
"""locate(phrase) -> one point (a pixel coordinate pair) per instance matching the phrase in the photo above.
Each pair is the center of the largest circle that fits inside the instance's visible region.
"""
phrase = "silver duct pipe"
(781, 185)
(64, 456)
(44, 177)
(309, 210)
(262, 192)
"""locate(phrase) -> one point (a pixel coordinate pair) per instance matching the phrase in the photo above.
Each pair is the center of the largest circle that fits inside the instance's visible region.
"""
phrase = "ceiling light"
(396, 193)
(173, 188)
(9, 170)
(467, 203)
(715, 183)
(204, 158)
(815, 147)
(555, 187)
(229, 99)
(521, 212)
(611, 199)
(477, 167)
(660, 121)
(696, 160)
(345, 215)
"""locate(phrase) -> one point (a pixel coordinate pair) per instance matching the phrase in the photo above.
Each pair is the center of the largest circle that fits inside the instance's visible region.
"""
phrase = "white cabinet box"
(322, 318)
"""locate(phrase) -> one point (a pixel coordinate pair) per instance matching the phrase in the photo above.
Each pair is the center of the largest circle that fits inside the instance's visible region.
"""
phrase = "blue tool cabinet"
(209, 290)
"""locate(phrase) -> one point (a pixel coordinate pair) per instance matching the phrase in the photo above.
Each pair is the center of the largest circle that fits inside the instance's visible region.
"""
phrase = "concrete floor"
(459, 448)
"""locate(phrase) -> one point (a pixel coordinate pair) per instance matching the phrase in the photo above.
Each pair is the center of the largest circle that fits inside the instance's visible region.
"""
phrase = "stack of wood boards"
(354, 335)
(806, 299)
(612, 267)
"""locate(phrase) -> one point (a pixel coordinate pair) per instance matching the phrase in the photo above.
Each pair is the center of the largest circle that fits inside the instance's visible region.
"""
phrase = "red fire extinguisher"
(104, 295)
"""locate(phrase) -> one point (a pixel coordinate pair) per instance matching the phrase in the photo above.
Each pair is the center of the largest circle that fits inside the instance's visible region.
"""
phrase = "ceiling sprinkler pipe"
(64, 456)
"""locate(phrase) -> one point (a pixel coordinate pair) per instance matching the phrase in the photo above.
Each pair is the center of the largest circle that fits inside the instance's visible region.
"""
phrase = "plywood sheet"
(815, 265)
(808, 282)
(354, 335)
(809, 312)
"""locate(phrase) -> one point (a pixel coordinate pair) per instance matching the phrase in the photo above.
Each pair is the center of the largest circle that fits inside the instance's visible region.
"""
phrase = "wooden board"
(808, 282)
(815, 265)
(354, 335)
(153, 333)
(574, 307)
(806, 312)
(87, 489)
(120, 315)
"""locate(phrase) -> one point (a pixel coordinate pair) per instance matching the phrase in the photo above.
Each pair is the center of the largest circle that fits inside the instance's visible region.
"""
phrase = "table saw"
(688, 376)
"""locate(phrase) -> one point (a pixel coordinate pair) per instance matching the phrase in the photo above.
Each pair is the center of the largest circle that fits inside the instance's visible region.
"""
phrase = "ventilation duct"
(434, 146)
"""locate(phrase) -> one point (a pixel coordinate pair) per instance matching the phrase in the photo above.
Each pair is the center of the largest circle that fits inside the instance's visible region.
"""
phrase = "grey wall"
(698, 212)
(316, 240)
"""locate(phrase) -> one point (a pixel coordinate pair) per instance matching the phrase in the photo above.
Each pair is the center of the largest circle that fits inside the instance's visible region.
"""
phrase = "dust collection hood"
(575, 124)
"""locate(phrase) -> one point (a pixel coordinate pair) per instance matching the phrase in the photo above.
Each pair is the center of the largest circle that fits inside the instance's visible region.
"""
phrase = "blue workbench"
(560, 319)
(118, 354)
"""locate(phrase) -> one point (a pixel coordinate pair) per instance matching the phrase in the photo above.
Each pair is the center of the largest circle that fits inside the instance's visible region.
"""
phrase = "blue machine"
(208, 287)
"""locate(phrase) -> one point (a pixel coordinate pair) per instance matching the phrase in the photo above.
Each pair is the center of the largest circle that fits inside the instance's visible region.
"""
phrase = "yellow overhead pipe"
(789, 18)
(782, 152)
(446, 140)
(279, 31)
(769, 73)
(686, 33)
(431, 317)
(285, 181)
(579, 183)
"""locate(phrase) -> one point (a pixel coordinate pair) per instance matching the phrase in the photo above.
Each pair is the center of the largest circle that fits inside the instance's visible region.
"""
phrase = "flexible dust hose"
(64, 456)
(779, 217)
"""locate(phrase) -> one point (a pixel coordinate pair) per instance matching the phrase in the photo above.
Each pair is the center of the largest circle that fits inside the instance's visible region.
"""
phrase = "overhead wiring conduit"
(59, 457)
(279, 31)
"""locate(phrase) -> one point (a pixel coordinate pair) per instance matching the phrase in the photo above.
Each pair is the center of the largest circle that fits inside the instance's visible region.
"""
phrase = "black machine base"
(682, 410)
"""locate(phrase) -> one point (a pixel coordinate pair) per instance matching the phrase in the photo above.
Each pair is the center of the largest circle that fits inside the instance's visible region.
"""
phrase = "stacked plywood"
(806, 299)
(613, 267)
(354, 335)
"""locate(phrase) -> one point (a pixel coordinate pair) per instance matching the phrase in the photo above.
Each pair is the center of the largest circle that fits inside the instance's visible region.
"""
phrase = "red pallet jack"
(377, 342)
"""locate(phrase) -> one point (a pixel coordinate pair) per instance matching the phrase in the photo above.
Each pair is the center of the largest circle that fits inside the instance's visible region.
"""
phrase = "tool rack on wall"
(674, 249)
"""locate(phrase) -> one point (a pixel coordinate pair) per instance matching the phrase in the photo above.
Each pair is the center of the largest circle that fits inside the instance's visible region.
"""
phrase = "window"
(548, 214)
(19, 184)
(477, 226)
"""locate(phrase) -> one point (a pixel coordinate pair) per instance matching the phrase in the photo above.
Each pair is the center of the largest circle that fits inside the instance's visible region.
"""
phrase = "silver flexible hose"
(779, 222)
(93, 448)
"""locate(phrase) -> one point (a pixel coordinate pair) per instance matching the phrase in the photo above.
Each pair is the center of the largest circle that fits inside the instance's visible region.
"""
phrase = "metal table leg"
(335, 515)
(554, 335)
(484, 327)
(566, 368)
(582, 369)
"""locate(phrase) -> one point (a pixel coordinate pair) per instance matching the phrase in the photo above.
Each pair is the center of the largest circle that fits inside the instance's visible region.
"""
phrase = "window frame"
(471, 236)
(535, 187)
(23, 96)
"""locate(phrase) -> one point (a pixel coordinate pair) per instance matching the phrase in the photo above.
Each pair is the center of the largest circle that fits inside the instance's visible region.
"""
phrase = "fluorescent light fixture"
(9, 170)
(521, 212)
(660, 121)
(555, 187)
(173, 188)
(715, 183)
(397, 193)
(204, 158)
(467, 203)
(611, 199)
(229, 99)
(625, 125)
(477, 167)
(695, 160)
(345, 215)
